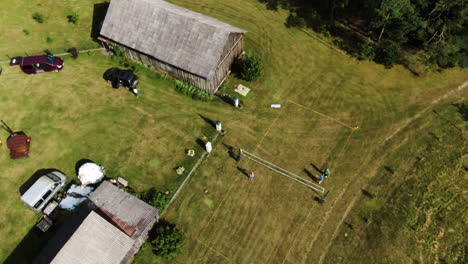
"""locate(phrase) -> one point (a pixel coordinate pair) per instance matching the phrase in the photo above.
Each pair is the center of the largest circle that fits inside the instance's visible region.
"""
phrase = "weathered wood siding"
(232, 51)
(136, 246)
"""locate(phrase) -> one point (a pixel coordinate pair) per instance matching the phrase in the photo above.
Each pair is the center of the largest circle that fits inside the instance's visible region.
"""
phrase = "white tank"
(208, 147)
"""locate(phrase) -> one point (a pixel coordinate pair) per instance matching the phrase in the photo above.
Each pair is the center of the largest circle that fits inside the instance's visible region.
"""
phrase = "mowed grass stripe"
(280, 192)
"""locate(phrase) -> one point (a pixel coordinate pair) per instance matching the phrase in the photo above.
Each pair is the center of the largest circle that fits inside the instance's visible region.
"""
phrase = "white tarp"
(90, 173)
(75, 195)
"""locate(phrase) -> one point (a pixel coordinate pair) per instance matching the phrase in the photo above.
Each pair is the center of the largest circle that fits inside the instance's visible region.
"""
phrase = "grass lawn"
(273, 219)
(22, 35)
(419, 212)
(74, 114)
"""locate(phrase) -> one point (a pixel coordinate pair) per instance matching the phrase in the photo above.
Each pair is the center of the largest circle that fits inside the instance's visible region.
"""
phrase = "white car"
(40, 193)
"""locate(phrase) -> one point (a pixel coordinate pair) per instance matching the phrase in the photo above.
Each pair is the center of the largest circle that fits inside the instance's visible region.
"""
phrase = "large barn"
(185, 44)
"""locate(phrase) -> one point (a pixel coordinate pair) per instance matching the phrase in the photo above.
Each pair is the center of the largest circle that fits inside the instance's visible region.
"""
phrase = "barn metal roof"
(96, 241)
(183, 38)
(128, 213)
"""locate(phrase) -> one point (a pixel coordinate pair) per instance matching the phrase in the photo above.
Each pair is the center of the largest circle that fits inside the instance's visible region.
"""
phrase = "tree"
(366, 50)
(391, 10)
(156, 198)
(334, 5)
(249, 68)
(388, 53)
(168, 241)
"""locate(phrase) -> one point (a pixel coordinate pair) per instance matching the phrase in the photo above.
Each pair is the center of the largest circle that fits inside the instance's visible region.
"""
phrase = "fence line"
(66, 53)
(189, 175)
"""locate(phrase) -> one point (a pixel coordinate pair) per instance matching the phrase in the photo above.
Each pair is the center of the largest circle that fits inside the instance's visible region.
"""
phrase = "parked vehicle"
(38, 64)
(40, 193)
(119, 77)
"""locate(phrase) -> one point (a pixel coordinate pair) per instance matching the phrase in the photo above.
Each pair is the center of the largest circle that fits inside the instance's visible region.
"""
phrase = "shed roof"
(95, 242)
(128, 213)
(183, 38)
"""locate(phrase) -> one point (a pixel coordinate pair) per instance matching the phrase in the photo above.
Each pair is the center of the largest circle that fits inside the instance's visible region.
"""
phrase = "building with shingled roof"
(110, 227)
(187, 45)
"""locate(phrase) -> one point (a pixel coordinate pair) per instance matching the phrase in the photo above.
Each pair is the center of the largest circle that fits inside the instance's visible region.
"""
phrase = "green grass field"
(22, 35)
(74, 114)
(419, 211)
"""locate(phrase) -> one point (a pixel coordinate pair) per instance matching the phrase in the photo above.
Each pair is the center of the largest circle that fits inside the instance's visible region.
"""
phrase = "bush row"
(192, 91)
(73, 18)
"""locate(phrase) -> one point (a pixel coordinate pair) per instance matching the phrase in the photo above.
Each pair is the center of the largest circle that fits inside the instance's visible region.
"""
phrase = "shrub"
(366, 50)
(192, 91)
(168, 240)
(388, 53)
(156, 198)
(26, 32)
(180, 170)
(49, 40)
(295, 21)
(74, 52)
(74, 18)
(249, 68)
(38, 17)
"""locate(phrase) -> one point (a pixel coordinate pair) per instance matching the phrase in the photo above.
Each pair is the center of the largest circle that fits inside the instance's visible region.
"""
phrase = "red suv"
(38, 64)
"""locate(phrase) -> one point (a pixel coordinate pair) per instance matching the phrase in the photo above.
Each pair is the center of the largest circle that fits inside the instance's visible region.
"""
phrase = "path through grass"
(272, 219)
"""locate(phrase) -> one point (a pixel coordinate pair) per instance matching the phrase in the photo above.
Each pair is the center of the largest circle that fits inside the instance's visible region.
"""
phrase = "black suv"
(126, 78)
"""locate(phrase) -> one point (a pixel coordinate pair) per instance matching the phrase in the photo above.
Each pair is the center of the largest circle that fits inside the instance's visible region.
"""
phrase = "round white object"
(208, 147)
(90, 173)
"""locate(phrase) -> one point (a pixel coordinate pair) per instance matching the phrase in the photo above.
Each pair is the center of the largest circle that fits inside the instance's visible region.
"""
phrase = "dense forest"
(416, 33)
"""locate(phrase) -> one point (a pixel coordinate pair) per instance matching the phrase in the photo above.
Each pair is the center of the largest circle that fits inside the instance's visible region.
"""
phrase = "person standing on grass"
(327, 172)
(251, 175)
(321, 178)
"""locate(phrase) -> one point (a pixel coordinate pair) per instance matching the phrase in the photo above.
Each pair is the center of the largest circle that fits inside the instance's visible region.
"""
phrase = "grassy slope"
(274, 220)
(16, 16)
(422, 217)
(73, 115)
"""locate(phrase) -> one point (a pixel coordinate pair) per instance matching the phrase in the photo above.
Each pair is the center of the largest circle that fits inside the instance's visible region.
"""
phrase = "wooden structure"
(109, 228)
(189, 46)
(44, 224)
(18, 143)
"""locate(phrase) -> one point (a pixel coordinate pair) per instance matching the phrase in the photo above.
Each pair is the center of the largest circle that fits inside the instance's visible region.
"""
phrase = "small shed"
(187, 45)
